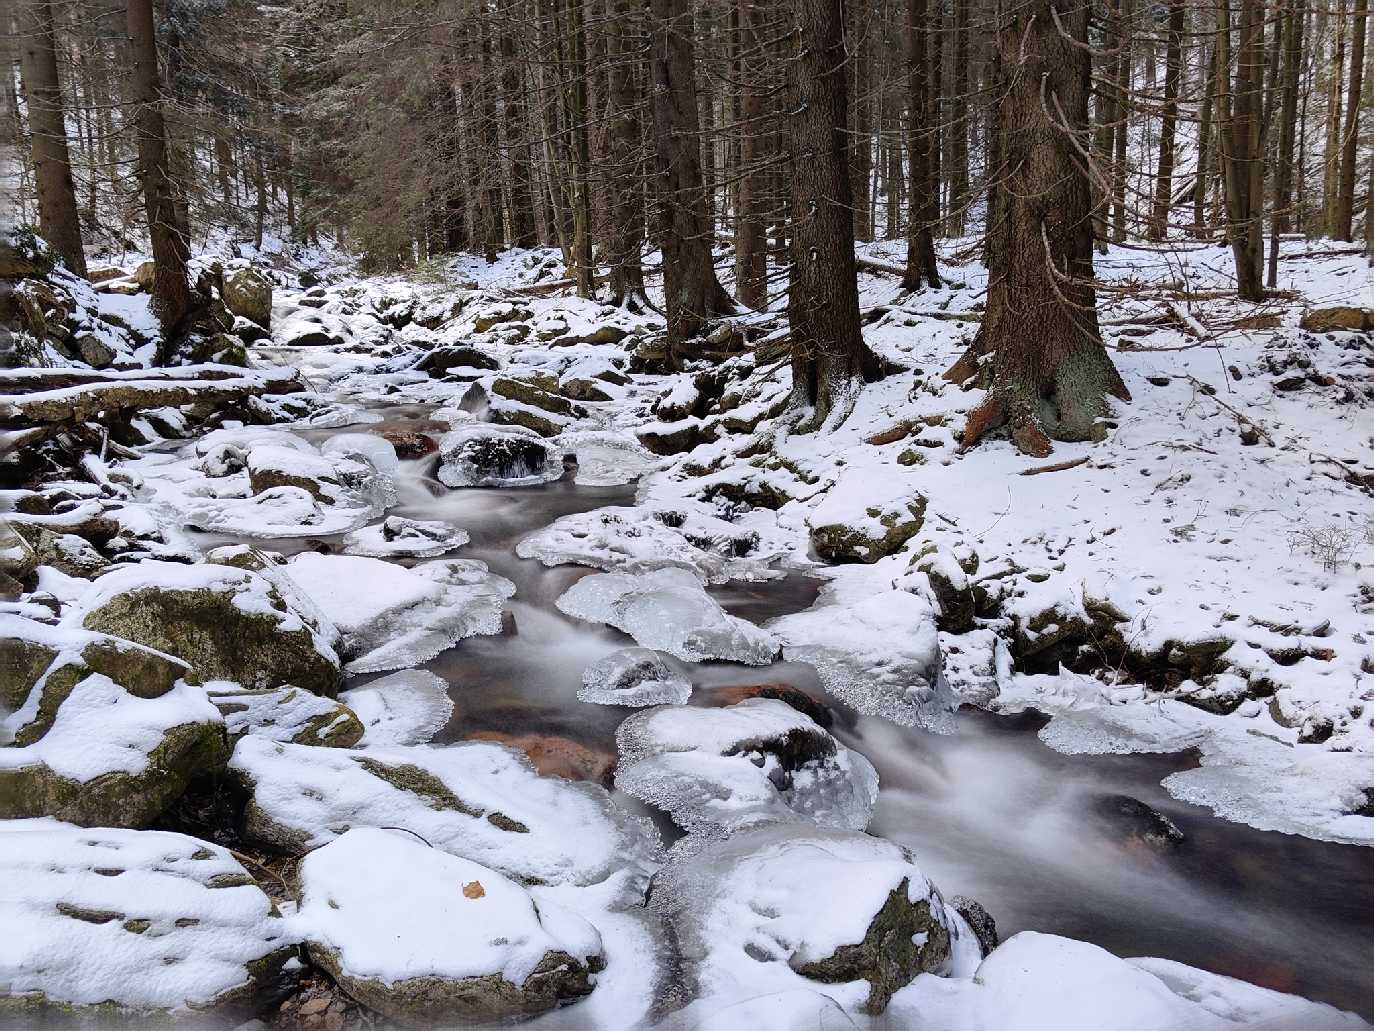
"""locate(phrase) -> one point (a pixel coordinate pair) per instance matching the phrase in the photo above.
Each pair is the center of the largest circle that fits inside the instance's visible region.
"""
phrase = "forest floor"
(1200, 582)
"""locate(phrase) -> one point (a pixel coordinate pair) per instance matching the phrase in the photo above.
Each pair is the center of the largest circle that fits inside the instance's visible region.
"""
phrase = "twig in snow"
(1055, 467)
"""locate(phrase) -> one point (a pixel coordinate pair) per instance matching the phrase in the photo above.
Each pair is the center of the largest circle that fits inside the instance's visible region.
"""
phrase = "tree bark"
(751, 231)
(1046, 370)
(57, 214)
(1350, 139)
(1173, 70)
(958, 122)
(692, 293)
(626, 236)
(1282, 217)
(922, 201)
(1243, 159)
(522, 226)
(830, 360)
(171, 300)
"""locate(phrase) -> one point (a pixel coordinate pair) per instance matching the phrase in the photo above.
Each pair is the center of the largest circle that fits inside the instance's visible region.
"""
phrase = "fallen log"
(25, 380)
(86, 401)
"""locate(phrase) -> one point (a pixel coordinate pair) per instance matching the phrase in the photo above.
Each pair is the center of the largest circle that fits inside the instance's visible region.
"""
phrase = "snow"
(392, 617)
(497, 456)
(398, 537)
(404, 708)
(716, 770)
(394, 908)
(559, 831)
(668, 610)
(70, 897)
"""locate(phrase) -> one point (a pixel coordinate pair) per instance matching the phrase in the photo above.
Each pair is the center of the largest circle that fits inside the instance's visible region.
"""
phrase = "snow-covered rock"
(404, 708)
(864, 517)
(106, 734)
(227, 623)
(391, 617)
(479, 801)
(877, 651)
(759, 761)
(485, 455)
(669, 610)
(654, 538)
(399, 537)
(286, 714)
(138, 920)
(633, 676)
(421, 935)
(779, 909)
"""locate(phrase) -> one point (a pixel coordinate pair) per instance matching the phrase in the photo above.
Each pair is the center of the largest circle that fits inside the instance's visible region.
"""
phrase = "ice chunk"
(633, 676)
(669, 610)
(487, 455)
(399, 537)
(404, 708)
(715, 770)
(391, 617)
(606, 459)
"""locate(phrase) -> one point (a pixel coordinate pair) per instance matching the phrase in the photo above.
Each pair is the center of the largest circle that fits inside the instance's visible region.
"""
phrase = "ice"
(715, 770)
(404, 708)
(633, 676)
(669, 610)
(637, 538)
(391, 617)
(606, 459)
(486, 455)
(399, 537)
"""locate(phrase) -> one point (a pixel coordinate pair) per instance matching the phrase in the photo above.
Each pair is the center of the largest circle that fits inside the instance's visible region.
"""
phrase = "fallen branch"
(80, 403)
(1057, 467)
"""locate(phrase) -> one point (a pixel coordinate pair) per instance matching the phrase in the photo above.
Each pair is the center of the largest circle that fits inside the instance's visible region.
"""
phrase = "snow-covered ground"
(1199, 580)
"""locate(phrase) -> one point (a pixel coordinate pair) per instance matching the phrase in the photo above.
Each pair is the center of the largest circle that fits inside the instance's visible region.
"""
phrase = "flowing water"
(990, 811)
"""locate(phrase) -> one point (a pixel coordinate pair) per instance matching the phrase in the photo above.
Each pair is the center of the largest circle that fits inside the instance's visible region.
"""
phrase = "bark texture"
(1040, 351)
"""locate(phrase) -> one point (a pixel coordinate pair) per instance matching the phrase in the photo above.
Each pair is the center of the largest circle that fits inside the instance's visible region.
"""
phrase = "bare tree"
(923, 200)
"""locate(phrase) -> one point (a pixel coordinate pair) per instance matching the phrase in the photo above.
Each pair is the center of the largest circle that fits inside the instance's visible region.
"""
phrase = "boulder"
(553, 755)
(108, 734)
(481, 455)
(443, 360)
(146, 922)
(143, 275)
(423, 936)
(399, 537)
(760, 761)
(862, 519)
(94, 351)
(476, 800)
(669, 610)
(248, 294)
(24, 254)
(286, 714)
(787, 905)
(535, 396)
(676, 437)
(17, 557)
(226, 623)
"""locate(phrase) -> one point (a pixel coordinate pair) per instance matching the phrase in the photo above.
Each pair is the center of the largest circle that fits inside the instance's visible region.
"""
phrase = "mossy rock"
(218, 639)
(248, 292)
(536, 396)
(904, 939)
(117, 799)
(23, 253)
(495, 316)
(543, 425)
(289, 714)
(443, 360)
(841, 542)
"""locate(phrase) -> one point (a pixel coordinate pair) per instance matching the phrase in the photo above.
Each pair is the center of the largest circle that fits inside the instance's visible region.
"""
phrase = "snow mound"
(415, 932)
(286, 714)
(143, 920)
(716, 770)
(391, 617)
(404, 708)
(668, 610)
(877, 651)
(633, 676)
(399, 537)
(480, 801)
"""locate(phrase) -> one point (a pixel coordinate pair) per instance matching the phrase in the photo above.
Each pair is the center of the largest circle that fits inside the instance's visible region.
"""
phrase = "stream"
(990, 811)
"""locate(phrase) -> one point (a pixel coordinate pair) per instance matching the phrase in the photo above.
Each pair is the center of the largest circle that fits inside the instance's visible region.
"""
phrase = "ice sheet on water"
(391, 617)
(633, 676)
(669, 610)
(399, 537)
(606, 459)
(404, 708)
(716, 770)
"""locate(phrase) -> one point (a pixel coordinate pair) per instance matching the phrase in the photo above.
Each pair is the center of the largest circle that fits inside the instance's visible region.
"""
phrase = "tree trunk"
(522, 225)
(1048, 373)
(861, 149)
(958, 123)
(1125, 42)
(626, 236)
(1331, 154)
(1282, 218)
(829, 358)
(1173, 70)
(751, 231)
(171, 299)
(1243, 159)
(1350, 140)
(57, 215)
(922, 203)
(1201, 229)
(692, 293)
